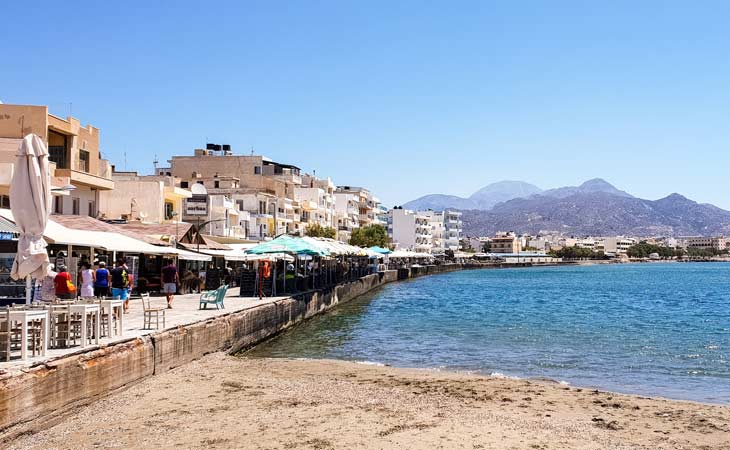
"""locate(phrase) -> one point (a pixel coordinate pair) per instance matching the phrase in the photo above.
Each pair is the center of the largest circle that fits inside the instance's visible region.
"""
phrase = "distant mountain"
(590, 186)
(439, 202)
(599, 213)
(484, 198)
(502, 191)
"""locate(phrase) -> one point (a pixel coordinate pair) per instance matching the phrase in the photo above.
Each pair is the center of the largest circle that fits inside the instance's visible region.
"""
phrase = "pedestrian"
(48, 289)
(101, 281)
(120, 284)
(63, 285)
(170, 278)
(86, 280)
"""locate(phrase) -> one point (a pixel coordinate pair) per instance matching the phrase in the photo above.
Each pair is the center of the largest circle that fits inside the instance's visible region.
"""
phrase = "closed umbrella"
(30, 201)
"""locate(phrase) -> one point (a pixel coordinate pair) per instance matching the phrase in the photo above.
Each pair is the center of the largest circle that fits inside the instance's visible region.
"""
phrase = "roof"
(7, 226)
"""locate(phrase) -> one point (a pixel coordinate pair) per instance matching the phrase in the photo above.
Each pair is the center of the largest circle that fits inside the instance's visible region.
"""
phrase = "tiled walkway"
(185, 310)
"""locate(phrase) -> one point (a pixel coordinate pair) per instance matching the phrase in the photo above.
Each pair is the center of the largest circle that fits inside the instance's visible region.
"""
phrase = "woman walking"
(87, 278)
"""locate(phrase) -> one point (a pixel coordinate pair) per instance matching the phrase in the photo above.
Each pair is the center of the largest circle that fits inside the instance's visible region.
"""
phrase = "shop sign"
(197, 205)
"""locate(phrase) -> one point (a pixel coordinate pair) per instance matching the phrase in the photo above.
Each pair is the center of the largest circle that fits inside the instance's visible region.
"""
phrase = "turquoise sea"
(651, 329)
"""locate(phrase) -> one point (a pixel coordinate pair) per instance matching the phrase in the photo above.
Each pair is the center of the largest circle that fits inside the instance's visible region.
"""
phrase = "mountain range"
(595, 207)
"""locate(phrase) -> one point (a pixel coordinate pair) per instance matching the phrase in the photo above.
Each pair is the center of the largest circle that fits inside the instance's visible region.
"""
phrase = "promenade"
(185, 311)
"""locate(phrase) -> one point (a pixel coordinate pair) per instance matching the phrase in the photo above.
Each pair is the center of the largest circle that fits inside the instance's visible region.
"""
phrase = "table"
(24, 316)
(86, 310)
(108, 307)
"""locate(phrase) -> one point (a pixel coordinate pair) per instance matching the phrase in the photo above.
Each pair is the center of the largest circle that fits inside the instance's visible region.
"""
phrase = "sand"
(222, 402)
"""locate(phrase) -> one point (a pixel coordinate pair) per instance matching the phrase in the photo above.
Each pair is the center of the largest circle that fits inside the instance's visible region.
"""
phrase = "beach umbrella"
(381, 250)
(30, 201)
(288, 244)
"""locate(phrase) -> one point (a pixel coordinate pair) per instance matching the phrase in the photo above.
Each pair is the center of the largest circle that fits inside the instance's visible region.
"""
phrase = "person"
(120, 284)
(101, 281)
(87, 279)
(170, 278)
(63, 286)
(48, 288)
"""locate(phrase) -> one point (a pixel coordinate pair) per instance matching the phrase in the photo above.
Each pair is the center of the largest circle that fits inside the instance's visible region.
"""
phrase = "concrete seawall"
(55, 387)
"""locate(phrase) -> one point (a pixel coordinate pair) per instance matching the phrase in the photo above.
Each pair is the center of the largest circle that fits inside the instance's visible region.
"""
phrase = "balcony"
(77, 177)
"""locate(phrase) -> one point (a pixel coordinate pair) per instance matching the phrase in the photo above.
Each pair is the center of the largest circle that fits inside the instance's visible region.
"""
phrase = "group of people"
(90, 283)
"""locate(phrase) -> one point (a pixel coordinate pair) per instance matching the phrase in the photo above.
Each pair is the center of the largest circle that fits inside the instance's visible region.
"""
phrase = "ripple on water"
(659, 329)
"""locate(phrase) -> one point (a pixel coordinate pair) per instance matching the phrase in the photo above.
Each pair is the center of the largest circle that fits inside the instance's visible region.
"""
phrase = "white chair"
(149, 311)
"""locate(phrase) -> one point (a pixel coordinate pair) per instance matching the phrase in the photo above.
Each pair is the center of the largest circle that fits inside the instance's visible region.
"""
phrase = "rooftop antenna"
(252, 150)
(154, 163)
(125, 160)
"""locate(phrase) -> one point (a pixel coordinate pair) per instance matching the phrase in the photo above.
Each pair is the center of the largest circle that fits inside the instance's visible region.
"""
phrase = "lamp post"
(197, 229)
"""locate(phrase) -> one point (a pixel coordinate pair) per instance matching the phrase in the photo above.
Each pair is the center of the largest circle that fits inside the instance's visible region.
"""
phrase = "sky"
(406, 98)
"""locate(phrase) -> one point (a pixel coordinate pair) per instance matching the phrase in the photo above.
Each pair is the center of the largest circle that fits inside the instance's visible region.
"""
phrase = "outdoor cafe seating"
(37, 327)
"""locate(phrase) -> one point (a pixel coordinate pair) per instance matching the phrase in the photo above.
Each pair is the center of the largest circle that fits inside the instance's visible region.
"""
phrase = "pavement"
(185, 311)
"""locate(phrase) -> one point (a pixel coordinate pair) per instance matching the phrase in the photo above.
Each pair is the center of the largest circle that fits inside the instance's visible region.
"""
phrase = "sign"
(197, 205)
(6, 236)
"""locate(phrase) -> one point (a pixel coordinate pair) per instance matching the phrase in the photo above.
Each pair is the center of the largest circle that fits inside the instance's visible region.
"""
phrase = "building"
(409, 230)
(708, 243)
(264, 188)
(618, 245)
(367, 204)
(446, 230)
(316, 197)
(347, 214)
(148, 198)
(505, 243)
(73, 150)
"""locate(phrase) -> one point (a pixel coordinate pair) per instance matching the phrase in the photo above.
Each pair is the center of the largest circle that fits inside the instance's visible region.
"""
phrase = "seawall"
(49, 390)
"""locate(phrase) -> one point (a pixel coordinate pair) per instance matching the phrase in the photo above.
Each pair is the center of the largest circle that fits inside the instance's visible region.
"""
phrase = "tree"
(643, 249)
(317, 230)
(369, 236)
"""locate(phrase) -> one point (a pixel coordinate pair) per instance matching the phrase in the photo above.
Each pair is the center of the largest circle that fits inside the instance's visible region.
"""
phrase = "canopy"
(335, 247)
(381, 250)
(229, 255)
(190, 256)
(288, 244)
(30, 201)
(410, 254)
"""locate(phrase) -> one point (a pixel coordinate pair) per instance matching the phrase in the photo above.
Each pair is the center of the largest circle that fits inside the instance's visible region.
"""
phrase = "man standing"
(170, 279)
(120, 283)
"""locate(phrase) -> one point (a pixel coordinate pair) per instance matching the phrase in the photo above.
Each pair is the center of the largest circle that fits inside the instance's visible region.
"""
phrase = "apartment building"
(505, 242)
(73, 151)
(316, 197)
(148, 198)
(367, 203)
(410, 230)
(265, 188)
(446, 230)
(347, 214)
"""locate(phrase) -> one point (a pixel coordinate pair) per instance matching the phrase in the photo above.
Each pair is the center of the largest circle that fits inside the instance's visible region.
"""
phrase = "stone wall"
(58, 386)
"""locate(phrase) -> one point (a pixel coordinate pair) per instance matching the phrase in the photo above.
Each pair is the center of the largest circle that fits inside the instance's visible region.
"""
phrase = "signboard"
(197, 205)
(6, 236)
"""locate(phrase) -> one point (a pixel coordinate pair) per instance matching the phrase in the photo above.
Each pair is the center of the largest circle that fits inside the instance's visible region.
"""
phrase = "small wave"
(564, 383)
(371, 363)
(502, 376)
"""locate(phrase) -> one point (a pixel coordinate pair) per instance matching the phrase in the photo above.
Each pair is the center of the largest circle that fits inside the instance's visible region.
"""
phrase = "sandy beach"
(224, 402)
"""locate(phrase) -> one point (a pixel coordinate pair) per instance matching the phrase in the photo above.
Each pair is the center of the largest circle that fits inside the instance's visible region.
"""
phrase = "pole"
(28, 289)
(197, 238)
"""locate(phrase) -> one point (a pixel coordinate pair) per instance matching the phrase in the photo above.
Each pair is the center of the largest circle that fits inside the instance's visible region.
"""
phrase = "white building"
(410, 230)
(617, 245)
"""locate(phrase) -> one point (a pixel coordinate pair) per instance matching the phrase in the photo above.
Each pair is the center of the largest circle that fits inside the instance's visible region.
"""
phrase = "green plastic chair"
(215, 297)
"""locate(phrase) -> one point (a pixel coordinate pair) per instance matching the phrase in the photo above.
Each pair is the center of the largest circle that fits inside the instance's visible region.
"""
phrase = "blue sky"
(407, 98)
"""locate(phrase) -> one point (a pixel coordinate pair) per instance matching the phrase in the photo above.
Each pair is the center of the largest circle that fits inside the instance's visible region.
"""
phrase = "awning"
(190, 256)
(229, 255)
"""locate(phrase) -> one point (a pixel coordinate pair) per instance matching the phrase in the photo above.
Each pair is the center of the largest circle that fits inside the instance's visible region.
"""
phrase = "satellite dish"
(199, 189)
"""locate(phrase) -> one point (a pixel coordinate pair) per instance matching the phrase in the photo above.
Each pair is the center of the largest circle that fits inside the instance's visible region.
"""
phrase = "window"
(92, 208)
(257, 170)
(4, 201)
(184, 184)
(168, 210)
(216, 184)
(200, 182)
(76, 205)
(57, 149)
(84, 160)
(58, 204)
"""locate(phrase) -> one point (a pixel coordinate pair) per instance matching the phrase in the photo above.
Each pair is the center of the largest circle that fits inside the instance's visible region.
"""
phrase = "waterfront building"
(366, 203)
(316, 197)
(446, 230)
(618, 245)
(505, 242)
(718, 243)
(347, 214)
(74, 153)
(148, 198)
(409, 230)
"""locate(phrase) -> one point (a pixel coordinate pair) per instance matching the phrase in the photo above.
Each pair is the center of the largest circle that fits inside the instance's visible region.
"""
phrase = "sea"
(649, 329)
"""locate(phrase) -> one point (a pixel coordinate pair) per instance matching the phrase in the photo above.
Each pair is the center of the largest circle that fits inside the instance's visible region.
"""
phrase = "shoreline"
(221, 401)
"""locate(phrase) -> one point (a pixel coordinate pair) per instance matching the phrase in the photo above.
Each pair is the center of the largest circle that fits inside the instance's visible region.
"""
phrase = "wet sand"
(222, 402)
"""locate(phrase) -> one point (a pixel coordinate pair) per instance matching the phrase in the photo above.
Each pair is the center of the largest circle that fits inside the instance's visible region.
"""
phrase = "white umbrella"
(30, 201)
